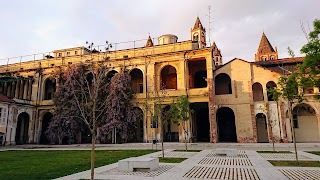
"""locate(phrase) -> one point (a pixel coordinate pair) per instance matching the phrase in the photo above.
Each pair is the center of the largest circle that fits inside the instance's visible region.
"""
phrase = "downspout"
(147, 95)
(36, 115)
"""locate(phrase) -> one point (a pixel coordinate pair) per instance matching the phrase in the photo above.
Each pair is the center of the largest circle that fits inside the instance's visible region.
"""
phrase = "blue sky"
(37, 26)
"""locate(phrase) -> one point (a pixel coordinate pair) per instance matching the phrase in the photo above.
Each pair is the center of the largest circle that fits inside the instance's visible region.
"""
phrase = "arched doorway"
(170, 131)
(305, 123)
(262, 128)
(169, 78)
(226, 125)
(200, 124)
(22, 128)
(137, 80)
(257, 92)
(45, 124)
(200, 79)
(222, 83)
(136, 129)
(50, 89)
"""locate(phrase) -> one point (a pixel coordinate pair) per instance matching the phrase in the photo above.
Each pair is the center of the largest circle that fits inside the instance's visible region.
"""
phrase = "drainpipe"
(37, 99)
(147, 95)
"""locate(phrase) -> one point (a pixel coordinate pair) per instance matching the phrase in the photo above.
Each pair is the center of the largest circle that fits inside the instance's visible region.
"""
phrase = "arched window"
(169, 78)
(222, 84)
(111, 74)
(137, 80)
(270, 85)
(257, 92)
(50, 89)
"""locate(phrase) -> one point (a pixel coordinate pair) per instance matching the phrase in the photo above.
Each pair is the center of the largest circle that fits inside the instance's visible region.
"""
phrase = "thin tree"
(180, 111)
(82, 96)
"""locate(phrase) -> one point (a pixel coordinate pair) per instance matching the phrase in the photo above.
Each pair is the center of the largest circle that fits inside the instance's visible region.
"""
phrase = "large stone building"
(230, 101)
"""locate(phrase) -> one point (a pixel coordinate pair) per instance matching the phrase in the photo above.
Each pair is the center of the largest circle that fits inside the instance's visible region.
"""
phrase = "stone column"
(30, 89)
(9, 89)
(21, 89)
(1, 86)
(25, 89)
(13, 89)
(5, 86)
(16, 95)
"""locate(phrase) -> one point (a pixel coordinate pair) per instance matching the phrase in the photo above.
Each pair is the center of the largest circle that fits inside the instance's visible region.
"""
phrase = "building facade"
(230, 101)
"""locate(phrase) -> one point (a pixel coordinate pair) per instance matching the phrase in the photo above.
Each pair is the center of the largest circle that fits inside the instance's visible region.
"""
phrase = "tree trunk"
(293, 132)
(162, 149)
(93, 137)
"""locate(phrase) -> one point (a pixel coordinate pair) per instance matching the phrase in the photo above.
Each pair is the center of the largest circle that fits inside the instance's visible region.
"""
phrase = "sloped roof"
(149, 42)
(265, 45)
(282, 66)
(281, 61)
(4, 98)
(197, 24)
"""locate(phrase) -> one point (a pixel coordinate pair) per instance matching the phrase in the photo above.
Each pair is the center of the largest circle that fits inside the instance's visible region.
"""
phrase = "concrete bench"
(138, 164)
(226, 152)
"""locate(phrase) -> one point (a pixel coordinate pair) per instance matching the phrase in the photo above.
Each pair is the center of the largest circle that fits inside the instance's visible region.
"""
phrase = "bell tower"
(198, 33)
(265, 51)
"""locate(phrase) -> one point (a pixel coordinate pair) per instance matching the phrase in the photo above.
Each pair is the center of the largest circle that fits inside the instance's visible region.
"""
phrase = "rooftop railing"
(121, 50)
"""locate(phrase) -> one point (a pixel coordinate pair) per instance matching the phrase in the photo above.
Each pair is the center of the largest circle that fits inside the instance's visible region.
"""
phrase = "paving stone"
(283, 156)
(226, 161)
(301, 173)
(222, 173)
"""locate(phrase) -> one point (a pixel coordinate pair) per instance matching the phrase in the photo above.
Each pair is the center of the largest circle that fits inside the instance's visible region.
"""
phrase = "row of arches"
(168, 80)
(258, 94)
(304, 117)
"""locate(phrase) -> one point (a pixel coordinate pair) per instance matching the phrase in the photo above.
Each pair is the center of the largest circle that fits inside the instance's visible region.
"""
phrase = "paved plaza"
(206, 164)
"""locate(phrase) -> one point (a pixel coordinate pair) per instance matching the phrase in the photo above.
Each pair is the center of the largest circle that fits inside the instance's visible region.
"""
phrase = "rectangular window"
(60, 54)
(140, 88)
(75, 52)
(3, 114)
(68, 53)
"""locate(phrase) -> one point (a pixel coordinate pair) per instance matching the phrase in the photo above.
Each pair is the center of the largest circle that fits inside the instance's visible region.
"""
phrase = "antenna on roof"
(210, 21)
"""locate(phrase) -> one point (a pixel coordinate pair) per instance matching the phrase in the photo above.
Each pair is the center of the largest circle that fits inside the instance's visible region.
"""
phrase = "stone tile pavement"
(206, 165)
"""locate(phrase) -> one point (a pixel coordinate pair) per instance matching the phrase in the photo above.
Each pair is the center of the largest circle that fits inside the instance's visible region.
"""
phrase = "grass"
(171, 160)
(287, 152)
(192, 150)
(295, 163)
(53, 164)
(315, 153)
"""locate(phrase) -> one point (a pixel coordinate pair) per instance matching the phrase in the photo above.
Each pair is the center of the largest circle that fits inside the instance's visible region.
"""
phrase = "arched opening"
(270, 85)
(200, 124)
(257, 92)
(170, 131)
(226, 125)
(222, 83)
(45, 124)
(305, 123)
(136, 128)
(169, 78)
(50, 89)
(137, 80)
(262, 128)
(22, 128)
(111, 74)
(200, 79)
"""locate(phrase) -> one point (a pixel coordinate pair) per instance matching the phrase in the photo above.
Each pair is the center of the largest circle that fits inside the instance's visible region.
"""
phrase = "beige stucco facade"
(230, 101)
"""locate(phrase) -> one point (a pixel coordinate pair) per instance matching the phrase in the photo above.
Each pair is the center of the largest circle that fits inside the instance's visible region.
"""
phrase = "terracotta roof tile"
(4, 98)
(149, 42)
(281, 61)
(197, 24)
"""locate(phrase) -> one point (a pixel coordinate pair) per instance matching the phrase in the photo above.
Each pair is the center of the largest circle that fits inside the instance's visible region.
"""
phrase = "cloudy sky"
(37, 26)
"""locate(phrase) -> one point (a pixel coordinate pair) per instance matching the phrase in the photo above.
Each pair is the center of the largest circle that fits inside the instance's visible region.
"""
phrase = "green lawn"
(54, 164)
(295, 163)
(288, 152)
(171, 160)
(316, 153)
(192, 150)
